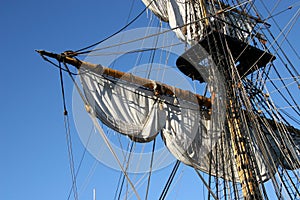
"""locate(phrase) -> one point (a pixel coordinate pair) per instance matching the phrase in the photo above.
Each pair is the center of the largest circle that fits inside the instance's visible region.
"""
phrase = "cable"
(170, 179)
(150, 170)
(71, 159)
(122, 175)
(82, 50)
(81, 160)
(68, 137)
(94, 119)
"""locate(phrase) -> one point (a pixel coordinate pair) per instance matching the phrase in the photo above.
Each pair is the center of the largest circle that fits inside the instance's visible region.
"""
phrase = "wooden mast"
(250, 186)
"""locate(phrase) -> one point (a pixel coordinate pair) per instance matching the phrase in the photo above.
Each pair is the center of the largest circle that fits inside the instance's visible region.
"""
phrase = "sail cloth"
(201, 140)
(126, 108)
(209, 152)
(190, 20)
(193, 136)
(175, 13)
(283, 142)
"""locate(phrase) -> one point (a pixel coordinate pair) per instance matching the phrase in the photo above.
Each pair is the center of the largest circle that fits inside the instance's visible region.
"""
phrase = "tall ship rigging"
(237, 126)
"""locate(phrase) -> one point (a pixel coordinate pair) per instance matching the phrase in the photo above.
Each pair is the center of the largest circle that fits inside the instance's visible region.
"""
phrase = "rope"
(81, 160)
(280, 12)
(277, 25)
(94, 119)
(150, 170)
(170, 179)
(80, 51)
(54, 64)
(70, 154)
(68, 137)
(275, 41)
(148, 36)
(76, 85)
(122, 175)
(62, 90)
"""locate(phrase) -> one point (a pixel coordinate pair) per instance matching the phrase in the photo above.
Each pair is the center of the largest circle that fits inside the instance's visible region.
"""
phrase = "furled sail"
(129, 104)
(200, 139)
(191, 20)
(193, 134)
(127, 108)
(192, 126)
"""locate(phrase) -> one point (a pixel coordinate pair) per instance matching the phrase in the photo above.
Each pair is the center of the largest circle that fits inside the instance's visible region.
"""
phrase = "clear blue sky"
(34, 161)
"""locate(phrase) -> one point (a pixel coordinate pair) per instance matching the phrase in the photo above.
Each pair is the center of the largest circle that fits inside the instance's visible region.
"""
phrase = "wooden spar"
(158, 88)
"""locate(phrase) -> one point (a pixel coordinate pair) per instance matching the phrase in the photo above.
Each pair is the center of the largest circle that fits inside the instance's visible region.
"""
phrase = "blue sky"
(33, 146)
(33, 151)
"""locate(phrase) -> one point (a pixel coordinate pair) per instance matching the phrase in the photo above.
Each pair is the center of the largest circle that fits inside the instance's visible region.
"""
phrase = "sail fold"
(201, 140)
(127, 108)
(195, 135)
(192, 20)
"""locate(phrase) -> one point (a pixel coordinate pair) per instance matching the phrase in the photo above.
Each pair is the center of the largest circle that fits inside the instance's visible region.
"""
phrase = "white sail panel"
(183, 17)
(191, 20)
(194, 136)
(187, 136)
(159, 8)
(198, 142)
(124, 107)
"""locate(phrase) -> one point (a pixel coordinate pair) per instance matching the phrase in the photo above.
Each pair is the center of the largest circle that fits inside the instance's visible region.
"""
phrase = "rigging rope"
(150, 170)
(94, 119)
(82, 50)
(81, 160)
(170, 179)
(275, 40)
(206, 185)
(71, 158)
(54, 64)
(121, 174)
(68, 137)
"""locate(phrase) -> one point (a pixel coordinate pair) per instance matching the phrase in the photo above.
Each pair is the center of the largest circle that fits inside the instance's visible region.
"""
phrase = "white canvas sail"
(194, 137)
(129, 109)
(190, 20)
